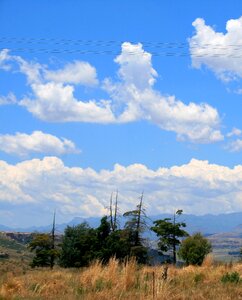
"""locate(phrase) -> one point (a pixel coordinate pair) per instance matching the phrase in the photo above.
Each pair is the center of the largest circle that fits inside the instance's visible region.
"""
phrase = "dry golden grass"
(123, 281)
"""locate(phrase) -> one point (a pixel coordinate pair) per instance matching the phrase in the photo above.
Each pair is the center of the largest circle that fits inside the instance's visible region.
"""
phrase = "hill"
(207, 224)
(227, 245)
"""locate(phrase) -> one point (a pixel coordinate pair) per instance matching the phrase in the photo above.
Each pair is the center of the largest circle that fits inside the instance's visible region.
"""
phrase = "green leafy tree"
(115, 245)
(169, 232)
(101, 250)
(78, 246)
(82, 244)
(110, 243)
(119, 245)
(194, 249)
(103, 231)
(45, 254)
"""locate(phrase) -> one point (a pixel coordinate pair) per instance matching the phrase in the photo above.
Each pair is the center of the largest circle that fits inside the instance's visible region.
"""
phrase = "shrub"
(233, 277)
(194, 249)
(199, 277)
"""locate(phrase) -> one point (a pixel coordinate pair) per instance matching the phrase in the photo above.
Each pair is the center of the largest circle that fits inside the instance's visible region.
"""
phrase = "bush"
(78, 246)
(199, 277)
(194, 249)
(233, 277)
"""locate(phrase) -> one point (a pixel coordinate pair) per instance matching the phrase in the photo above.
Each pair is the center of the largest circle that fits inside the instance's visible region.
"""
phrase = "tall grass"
(123, 281)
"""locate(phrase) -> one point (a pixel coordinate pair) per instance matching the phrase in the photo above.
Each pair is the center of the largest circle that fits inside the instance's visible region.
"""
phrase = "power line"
(109, 42)
(112, 52)
(102, 47)
(112, 42)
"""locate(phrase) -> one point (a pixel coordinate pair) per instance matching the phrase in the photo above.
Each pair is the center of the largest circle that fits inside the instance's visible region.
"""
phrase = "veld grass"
(124, 281)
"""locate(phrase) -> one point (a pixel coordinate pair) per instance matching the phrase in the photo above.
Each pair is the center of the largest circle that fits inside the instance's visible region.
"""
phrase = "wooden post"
(153, 284)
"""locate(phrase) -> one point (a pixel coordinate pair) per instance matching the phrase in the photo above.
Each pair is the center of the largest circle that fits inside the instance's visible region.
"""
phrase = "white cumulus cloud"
(136, 66)
(197, 187)
(77, 72)
(55, 102)
(195, 122)
(131, 98)
(23, 144)
(220, 52)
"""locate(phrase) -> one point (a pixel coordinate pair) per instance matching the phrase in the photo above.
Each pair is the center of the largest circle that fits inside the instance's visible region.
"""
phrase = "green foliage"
(111, 243)
(78, 246)
(82, 244)
(199, 277)
(41, 244)
(169, 232)
(194, 249)
(233, 277)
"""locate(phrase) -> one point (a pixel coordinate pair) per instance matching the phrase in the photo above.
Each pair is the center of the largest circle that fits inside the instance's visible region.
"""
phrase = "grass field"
(125, 281)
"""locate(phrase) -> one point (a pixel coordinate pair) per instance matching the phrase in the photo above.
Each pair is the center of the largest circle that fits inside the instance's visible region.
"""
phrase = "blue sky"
(75, 127)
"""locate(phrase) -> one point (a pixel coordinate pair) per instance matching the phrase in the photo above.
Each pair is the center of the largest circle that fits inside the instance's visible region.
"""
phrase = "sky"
(134, 96)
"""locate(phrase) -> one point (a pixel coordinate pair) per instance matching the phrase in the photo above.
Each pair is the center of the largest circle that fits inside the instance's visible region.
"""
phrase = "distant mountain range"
(207, 224)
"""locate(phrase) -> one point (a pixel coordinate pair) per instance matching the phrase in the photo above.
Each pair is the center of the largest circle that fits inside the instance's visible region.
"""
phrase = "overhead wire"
(169, 49)
(111, 42)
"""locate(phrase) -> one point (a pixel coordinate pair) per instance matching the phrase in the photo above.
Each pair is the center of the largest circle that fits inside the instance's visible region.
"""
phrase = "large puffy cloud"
(197, 187)
(130, 99)
(23, 144)
(136, 66)
(195, 122)
(53, 98)
(55, 102)
(219, 51)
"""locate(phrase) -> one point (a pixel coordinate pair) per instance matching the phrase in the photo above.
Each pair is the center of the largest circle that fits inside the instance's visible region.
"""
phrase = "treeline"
(82, 244)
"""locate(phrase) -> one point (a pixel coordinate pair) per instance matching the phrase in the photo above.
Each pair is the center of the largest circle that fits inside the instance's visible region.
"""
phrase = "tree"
(134, 227)
(82, 244)
(113, 215)
(194, 249)
(110, 243)
(169, 232)
(44, 252)
(102, 233)
(116, 244)
(53, 250)
(78, 246)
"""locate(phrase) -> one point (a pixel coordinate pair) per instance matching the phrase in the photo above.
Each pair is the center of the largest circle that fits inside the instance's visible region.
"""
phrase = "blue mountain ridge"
(207, 224)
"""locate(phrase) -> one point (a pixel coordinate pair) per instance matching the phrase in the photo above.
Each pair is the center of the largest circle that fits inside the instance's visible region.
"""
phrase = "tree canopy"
(45, 254)
(194, 249)
(169, 232)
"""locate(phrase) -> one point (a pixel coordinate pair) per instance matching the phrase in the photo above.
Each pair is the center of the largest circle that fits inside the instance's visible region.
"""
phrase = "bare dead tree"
(113, 212)
(52, 256)
(139, 212)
